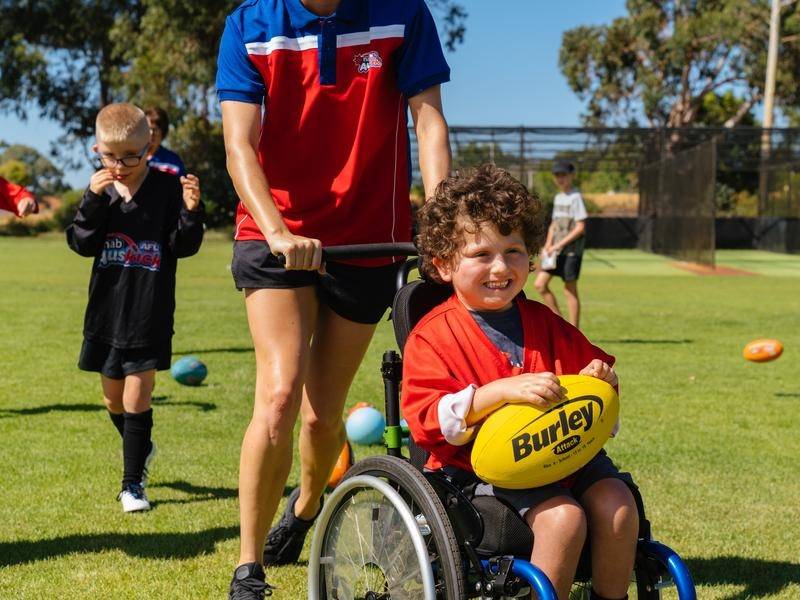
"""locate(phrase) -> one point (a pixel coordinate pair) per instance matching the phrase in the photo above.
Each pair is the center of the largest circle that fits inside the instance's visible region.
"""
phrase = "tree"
(57, 56)
(717, 109)
(454, 16)
(666, 56)
(26, 166)
(67, 59)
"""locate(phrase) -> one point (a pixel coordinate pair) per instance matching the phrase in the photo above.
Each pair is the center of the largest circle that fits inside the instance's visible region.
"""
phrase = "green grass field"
(713, 441)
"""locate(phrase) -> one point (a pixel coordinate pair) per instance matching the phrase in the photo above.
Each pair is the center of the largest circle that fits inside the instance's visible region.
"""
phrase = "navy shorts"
(359, 294)
(568, 267)
(116, 363)
(600, 467)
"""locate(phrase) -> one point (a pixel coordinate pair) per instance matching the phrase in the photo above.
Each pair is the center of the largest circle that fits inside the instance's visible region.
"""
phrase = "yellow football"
(521, 446)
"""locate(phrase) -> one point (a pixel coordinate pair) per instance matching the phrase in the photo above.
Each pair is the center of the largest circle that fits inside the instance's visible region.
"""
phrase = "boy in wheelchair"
(487, 346)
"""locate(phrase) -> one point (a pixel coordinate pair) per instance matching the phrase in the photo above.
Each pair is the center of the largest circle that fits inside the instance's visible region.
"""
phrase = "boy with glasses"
(135, 222)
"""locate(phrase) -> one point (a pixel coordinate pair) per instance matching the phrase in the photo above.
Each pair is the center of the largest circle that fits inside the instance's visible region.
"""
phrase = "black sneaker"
(285, 540)
(249, 583)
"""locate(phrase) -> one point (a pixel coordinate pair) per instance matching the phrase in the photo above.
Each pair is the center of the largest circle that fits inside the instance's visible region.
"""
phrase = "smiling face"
(490, 268)
(112, 153)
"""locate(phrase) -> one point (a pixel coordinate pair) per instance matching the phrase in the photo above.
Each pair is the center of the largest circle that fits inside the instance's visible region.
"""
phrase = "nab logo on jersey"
(368, 60)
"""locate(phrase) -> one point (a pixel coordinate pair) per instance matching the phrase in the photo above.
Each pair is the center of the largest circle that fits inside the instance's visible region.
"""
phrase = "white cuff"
(453, 409)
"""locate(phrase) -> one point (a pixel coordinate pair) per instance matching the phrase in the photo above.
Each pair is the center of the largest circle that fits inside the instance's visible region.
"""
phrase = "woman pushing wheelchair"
(326, 163)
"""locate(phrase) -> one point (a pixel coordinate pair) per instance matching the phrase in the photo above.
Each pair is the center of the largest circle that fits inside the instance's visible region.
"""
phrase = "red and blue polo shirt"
(334, 139)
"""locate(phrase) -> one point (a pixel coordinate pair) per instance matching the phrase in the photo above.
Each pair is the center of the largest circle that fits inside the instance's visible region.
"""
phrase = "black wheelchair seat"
(412, 302)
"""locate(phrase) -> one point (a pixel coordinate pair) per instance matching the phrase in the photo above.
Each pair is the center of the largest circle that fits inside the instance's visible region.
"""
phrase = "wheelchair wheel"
(383, 534)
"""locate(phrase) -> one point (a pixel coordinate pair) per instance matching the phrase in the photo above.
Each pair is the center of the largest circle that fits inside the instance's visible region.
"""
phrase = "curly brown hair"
(485, 194)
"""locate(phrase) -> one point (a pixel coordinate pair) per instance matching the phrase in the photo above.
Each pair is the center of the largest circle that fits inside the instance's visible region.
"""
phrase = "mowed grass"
(712, 439)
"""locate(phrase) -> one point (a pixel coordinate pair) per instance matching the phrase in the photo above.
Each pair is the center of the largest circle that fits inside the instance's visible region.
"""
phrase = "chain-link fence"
(755, 175)
(676, 205)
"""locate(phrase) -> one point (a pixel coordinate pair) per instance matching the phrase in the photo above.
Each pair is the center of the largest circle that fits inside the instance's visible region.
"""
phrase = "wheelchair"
(390, 530)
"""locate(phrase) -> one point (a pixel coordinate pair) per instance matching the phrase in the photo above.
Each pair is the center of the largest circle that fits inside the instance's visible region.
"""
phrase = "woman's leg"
(542, 284)
(337, 349)
(613, 530)
(559, 532)
(281, 322)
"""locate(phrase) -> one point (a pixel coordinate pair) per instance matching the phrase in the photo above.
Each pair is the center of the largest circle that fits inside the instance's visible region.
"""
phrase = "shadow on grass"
(787, 394)
(48, 408)
(760, 578)
(201, 493)
(165, 401)
(641, 341)
(140, 545)
(41, 410)
(230, 350)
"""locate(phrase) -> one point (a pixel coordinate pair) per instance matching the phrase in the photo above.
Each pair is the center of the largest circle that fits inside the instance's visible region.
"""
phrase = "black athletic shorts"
(600, 467)
(568, 267)
(359, 294)
(116, 363)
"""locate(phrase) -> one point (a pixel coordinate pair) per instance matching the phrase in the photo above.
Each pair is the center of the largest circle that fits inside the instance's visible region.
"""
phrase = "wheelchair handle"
(353, 251)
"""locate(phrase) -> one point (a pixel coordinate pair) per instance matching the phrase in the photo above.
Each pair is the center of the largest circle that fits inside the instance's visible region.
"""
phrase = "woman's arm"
(241, 123)
(433, 140)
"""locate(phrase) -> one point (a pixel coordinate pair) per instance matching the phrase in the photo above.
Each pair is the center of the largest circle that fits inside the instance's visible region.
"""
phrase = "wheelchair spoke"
(367, 556)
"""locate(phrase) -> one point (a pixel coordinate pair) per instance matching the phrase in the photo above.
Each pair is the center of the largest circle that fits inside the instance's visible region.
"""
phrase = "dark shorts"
(600, 467)
(568, 267)
(359, 294)
(116, 363)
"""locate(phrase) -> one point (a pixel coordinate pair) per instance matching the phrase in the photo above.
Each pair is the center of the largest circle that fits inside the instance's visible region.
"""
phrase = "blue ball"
(189, 371)
(365, 426)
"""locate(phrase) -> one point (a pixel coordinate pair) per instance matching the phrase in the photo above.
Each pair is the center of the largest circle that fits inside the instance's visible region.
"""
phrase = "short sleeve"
(237, 77)
(422, 63)
(578, 207)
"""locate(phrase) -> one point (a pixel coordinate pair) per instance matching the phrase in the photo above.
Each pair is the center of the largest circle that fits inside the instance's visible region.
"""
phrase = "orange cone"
(343, 463)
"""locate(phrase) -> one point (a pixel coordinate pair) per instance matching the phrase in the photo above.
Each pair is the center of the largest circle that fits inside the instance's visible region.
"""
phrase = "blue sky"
(506, 72)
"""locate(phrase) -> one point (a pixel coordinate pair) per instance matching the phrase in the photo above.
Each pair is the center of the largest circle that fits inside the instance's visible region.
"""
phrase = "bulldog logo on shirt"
(368, 60)
(122, 251)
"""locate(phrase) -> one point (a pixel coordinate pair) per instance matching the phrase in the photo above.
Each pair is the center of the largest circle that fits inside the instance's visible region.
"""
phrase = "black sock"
(119, 422)
(596, 596)
(136, 445)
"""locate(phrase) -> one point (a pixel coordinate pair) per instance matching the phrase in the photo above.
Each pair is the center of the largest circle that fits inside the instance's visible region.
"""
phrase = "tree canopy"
(66, 59)
(663, 59)
(26, 166)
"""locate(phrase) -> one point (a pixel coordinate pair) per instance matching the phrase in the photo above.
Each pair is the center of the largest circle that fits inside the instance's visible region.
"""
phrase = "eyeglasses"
(125, 161)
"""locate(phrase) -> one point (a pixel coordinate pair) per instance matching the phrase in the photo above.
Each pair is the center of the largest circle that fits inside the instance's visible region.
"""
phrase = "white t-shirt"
(568, 209)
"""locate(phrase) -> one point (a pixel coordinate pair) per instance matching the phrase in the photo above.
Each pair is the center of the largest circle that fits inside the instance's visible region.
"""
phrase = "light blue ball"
(365, 426)
(189, 370)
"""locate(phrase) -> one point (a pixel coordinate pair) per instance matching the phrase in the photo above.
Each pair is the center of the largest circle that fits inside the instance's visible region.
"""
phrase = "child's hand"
(26, 206)
(100, 181)
(191, 192)
(539, 389)
(597, 368)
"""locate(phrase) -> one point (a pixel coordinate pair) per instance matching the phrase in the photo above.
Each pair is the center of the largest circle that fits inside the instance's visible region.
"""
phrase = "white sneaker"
(133, 498)
(150, 456)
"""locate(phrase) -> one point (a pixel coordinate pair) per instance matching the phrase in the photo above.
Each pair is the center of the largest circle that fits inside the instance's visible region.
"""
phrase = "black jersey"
(136, 246)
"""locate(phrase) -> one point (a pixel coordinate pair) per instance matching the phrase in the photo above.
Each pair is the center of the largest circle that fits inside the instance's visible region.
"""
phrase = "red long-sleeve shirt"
(447, 352)
(11, 195)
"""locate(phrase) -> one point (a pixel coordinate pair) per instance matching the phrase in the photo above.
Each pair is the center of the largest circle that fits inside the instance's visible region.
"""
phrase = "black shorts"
(568, 267)
(359, 294)
(600, 467)
(116, 363)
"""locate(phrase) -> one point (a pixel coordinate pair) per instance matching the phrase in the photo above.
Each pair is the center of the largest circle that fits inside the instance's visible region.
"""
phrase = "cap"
(563, 166)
